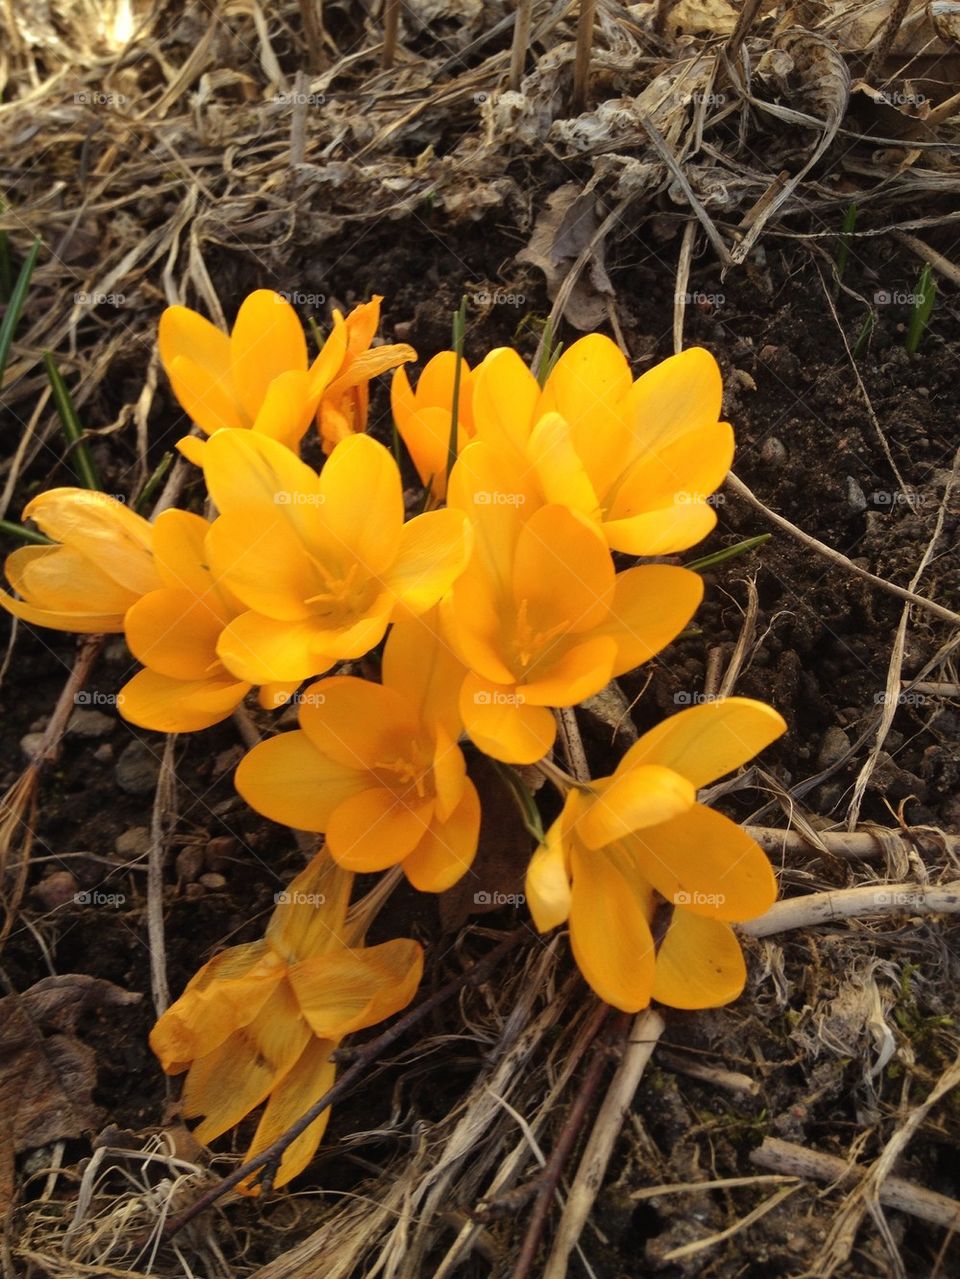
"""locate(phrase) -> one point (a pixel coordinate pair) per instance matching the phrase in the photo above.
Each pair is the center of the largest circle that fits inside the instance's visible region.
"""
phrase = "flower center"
(408, 774)
(530, 644)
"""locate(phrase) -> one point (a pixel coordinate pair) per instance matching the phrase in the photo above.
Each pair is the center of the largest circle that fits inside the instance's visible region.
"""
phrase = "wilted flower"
(259, 1022)
(376, 766)
(322, 563)
(626, 838)
(423, 417)
(103, 563)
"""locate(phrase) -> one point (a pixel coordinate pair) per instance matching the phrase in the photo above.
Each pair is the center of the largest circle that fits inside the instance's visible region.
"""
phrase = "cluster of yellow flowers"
(500, 602)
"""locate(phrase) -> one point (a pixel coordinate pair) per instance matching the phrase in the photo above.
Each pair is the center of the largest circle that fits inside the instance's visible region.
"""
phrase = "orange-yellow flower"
(540, 617)
(258, 377)
(321, 563)
(641, 459)
(103, 563)
(423, 417)
(174, 632)
(376, 766)
(640, 833)
(344, 404)
(259, 1022)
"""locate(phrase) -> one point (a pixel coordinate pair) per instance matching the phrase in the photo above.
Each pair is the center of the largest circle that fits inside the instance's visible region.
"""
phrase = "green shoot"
(153, 483)
(17, 299)
(315, 330)
(729, 552)
(863, 337)
(549, 352)
(926, 292)
(846, 230)
(459, 333)
(524, 799)
(83, 462)
(24, 534)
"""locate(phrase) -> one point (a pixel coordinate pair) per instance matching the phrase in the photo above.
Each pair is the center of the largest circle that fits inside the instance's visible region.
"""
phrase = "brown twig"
(887, 37)
(311, 11)
(581, 68)
(391, 24)
(270, 1157)
(521, 41)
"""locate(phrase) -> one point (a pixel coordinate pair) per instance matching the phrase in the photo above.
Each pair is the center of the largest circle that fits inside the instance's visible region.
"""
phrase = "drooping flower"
(423, 417)
(376, 766)
(101, 565)
(259, 1022)
(641, 459)
(321, 563)
(345, 403)
(174, 632)
(540, 617)
(258, 376)
(639, 835)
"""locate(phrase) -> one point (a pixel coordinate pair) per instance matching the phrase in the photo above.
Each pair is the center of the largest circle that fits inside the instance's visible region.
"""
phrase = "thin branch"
(853, 903)
(581, 68)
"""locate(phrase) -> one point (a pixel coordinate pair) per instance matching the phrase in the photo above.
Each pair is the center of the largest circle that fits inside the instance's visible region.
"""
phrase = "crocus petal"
(497, 498)
(707, 741)
(563, 576)
(263, 562)
(375, 829)
(447, 850)
(504, 395)
(357, 724)
(267, 340)
(347, 990)
(370, 364)
(175, 632)
(228, 1083)
(663, 532)
(472, 620)
(60, 586)
(286, 779)
(362, 502)
(309, 917)
(502, 725)
(699, 963)
(426, 433)
(609, 931)
(435, 386)
(271, 697)
(329, 359)
(420, 665)
(570, 672)
(674, 397)
(179, 552)
(706, 863)
(246, 470)
(101, 529)
(690, 467)
(191, 447)
(287, 408)
(434, 550)
(262, 650)
(562, 475)
(651, 605)
(304, 1083)
(632, 800)
(167, 705)
(547, 886)
(196, 357)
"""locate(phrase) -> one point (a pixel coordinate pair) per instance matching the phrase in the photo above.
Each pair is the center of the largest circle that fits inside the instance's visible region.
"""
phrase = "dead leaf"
(562, 232)
(47, 1074)
(496, 877)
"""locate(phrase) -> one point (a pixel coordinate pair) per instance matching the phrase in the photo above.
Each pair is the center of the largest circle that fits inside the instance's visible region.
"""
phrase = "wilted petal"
(347, 990)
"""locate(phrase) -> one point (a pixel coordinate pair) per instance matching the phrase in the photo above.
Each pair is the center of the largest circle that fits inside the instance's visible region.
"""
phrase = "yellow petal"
(449, 774)
(562, 475)
(347, 990)
(286, 779)
(329, 359)
(706, 863)
(357, 724)
(245, 470)
(634, 799)
(63, 589)
(699, 963)
(689, 467)
(271, 697)
(563, 576)
(362, 502)
(101, 529)
(547, 887)
(167, 705)
(447, 850)
(433, 552)
(587, 386)
(179, 552)
(502, 725)
(375, 829)
(175, 633)
(663, 532)
(263, 650)
(310, 915)
(304, 1083)
(497, 498)
(504, 395)
(228, 1083)
(287, 408)
(263, 562)
(370, 364)
(267, 340)
(209, 404)
(609, 931)
(473, 621)
(571, 671)
(196, 357)
(426, 433)
(420, 665)
(680, 394)
(707, 741)
(191, 446)
(651, 605)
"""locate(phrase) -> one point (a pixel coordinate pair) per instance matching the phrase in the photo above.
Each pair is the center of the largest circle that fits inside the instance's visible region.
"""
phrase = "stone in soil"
(137, 769)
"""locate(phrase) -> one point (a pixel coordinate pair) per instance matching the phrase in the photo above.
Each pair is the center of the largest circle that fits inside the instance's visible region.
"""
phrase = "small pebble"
(189, 863)
(30, 744)
(56, 890)
(856, 498)
(833, 746)
(193, 891)
(134, 842)
(212, 881)
(220, 852)
(104, 753)
(91, 724)
(137, 769)
(773, 452)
